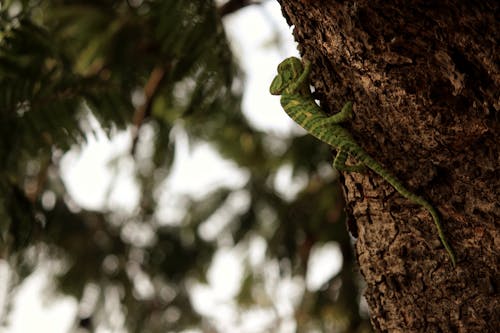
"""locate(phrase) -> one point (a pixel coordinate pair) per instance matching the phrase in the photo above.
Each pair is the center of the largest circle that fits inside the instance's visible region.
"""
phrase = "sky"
(196, 171)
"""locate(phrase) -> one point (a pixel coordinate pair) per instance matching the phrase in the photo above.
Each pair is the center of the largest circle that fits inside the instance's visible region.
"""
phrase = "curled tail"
(377, 168)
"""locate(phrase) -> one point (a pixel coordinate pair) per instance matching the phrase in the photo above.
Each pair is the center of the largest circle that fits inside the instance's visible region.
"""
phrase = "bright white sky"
(87, 175)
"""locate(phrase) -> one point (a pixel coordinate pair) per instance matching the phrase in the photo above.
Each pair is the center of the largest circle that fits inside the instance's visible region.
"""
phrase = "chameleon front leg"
(339, 163)
(344, 115)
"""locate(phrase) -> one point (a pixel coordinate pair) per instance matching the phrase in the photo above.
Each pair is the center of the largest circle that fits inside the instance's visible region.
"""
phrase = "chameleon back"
(305, 112)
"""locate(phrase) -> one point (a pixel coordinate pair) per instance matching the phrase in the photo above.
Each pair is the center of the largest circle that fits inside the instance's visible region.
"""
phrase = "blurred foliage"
(151, 64)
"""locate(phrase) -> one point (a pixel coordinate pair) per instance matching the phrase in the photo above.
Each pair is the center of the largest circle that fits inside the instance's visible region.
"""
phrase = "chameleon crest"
(292, 83)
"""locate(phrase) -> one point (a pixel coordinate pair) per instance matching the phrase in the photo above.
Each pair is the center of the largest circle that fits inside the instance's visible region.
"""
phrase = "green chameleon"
(292, 83)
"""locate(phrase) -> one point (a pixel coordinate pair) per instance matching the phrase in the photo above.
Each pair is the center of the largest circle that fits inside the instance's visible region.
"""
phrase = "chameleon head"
(288, 71)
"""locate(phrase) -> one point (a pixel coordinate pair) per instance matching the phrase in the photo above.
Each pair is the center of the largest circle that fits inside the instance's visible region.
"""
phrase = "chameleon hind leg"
(339, 163)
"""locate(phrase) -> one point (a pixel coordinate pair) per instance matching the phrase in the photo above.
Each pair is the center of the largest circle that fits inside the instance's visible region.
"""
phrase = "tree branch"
(232, 6)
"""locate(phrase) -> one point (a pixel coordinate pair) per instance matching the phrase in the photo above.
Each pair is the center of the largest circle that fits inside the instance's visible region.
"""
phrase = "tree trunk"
(424, 78)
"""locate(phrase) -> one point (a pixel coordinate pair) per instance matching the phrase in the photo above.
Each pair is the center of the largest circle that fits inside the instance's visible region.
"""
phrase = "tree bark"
(424, 77)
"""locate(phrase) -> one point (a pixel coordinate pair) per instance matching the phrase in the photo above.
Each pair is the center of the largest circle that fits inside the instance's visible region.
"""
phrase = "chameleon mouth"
(276, 87)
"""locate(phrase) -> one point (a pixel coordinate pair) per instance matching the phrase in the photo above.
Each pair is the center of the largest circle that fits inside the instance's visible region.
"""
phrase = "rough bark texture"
(425, 79)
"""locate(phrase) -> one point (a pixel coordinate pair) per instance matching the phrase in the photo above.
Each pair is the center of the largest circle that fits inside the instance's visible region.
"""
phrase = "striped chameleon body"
(292, 83)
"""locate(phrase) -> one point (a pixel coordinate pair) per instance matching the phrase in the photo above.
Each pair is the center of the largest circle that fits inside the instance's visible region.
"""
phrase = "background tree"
(424, 77)
(143, 67)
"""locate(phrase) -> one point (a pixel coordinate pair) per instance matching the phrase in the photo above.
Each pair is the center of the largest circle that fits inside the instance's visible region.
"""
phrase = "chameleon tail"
(376, 167)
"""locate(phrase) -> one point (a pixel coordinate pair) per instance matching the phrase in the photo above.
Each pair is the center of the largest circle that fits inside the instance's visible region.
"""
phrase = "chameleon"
(292, 83)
